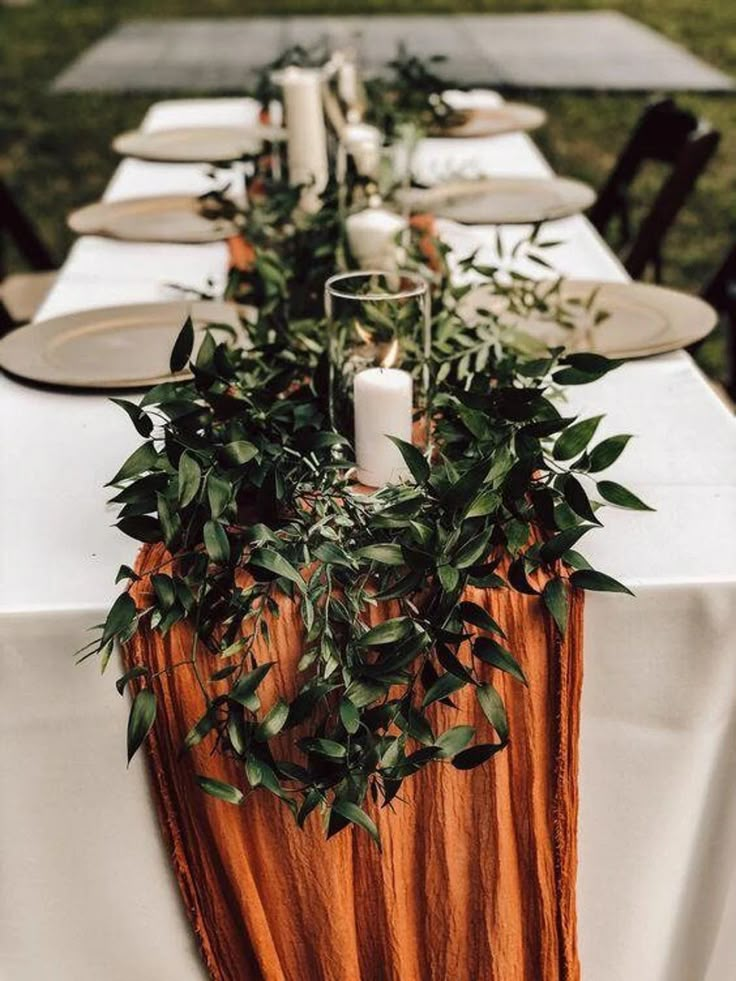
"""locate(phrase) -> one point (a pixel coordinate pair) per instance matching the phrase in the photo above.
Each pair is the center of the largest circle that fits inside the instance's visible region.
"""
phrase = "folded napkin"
(473, 99)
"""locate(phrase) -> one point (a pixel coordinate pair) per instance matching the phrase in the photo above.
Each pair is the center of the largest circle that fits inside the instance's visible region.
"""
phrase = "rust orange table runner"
(476, 881)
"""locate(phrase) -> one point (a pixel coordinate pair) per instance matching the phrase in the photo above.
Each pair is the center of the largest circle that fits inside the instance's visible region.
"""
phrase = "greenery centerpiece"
(246, 481)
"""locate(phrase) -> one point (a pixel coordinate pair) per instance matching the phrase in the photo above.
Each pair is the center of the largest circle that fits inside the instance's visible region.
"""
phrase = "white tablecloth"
(86, 892)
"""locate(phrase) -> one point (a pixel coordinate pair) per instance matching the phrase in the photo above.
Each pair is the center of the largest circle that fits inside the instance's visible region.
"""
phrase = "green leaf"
(219, 492)
(125, 572)
(119, 619)
(472, 551)
(575, 438)
(362, 693)
(349, 716)
(606, 452)
(355, 815)
(476, 755)
(383, 554)
(140, 420)
(323, 747)
(273, 561)
(577, 498)
(555, 599)
(620, 496)
(216, 542)
(201, 728)
(451, 663)
(141, 719)
(244, 689)
(163, 586)
(169, 521)
(136, 672)
(332, 554)
(561, 542)
(190, 475)
(598, 581)
(239, 452)
(221, 790)
(143, 528)
(493, 708)
(388, 632)
(485, 503)
(474, 613)
(273, 722)
(492, 653)
(449, 577)
(182, 349)
(452, 741)
(139, 461)
(414, 460)
(444, 686)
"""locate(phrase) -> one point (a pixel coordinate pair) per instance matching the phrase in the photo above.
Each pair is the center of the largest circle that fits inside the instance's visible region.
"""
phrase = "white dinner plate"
(640, 319)
(197, 144)
(161, 218)
(482, 121)
(501, 200)
(111, 347)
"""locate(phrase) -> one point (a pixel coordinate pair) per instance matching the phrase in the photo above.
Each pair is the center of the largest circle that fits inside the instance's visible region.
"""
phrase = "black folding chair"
(21, 294)
(667, 134)
(720, 292)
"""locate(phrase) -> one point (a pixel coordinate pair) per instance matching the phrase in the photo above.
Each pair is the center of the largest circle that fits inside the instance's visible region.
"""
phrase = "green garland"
(240, 471)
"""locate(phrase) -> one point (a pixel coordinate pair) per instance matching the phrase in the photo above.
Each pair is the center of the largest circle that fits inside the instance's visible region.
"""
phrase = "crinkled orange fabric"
(476, 881)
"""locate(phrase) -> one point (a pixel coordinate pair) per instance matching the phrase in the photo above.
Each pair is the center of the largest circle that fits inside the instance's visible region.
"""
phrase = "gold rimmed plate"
(111, 347)
(483, 121)
(197, 144)
(163, 218)
(618, 320)
(501, 200)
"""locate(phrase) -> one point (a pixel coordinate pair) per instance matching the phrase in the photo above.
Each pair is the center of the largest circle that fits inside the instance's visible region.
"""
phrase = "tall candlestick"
(305, 126)
(372, 238)
(383, 407)
(348, 86)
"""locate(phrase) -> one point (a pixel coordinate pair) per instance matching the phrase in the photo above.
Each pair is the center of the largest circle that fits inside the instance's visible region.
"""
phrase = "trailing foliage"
(249, 486)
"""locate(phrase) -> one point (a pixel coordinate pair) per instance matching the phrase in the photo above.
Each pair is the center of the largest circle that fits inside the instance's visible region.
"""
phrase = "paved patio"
(599, 50)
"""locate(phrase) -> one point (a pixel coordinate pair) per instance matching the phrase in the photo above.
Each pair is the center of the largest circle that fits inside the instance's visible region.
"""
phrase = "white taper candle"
(305, 126)
(383, 407)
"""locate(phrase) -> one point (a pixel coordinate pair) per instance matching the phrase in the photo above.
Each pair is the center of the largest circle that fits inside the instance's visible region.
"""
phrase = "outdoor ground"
(56, 147)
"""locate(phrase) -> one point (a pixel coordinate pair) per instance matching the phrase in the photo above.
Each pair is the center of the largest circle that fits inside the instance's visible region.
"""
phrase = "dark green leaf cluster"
(244, 475)
(244, 481)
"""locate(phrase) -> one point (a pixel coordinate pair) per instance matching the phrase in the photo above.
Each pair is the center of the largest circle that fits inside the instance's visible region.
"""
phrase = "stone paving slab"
(587, 50)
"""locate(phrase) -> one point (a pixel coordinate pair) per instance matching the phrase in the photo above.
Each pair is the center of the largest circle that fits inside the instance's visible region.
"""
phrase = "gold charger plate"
(640, 319)
(501, 200)
(197, 144)
(111, 347)
(508, 117)
(163, 218)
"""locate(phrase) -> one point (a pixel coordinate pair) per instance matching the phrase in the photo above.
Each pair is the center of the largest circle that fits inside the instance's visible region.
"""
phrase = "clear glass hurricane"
(381, 319)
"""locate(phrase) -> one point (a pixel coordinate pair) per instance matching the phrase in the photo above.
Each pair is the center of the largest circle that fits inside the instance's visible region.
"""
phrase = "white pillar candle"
(372, 238)
(306, 134)
(383, 407)
(363, 142)
(347, 83)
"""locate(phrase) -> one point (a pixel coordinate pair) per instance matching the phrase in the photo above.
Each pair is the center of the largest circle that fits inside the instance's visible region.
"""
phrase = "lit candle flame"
(362, 333)
(391, 355)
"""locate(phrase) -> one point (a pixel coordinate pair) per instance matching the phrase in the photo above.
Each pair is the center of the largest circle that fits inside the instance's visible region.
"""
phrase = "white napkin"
(474, 99)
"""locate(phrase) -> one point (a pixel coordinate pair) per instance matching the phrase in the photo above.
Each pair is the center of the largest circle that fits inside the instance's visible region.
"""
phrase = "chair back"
(666, 134)
(15, 225)
(720, 292)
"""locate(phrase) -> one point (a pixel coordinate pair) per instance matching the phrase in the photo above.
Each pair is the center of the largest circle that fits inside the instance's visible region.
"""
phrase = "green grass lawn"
(56, 147)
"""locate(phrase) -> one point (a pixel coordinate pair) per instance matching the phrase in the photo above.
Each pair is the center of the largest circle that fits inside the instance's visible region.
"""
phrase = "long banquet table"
(86, 887)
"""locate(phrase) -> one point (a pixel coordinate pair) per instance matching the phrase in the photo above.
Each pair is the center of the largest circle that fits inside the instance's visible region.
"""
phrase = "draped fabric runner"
(476, 881)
